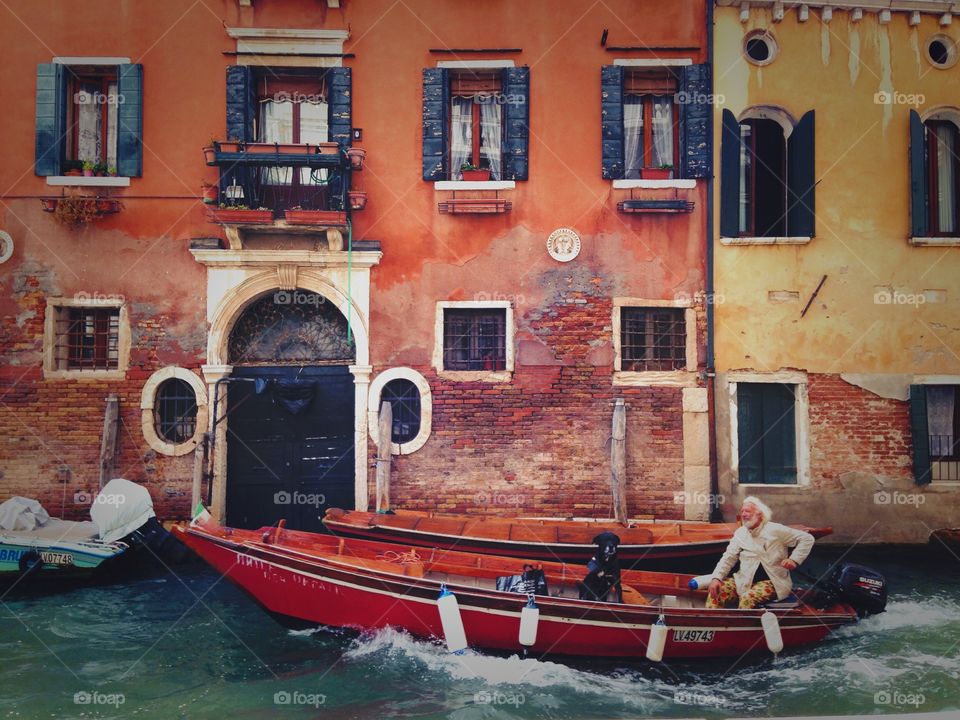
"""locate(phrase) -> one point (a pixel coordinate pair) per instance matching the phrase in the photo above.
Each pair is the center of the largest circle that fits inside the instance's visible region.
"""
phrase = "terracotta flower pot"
(210, 155)
(211, 193)
(357, 198)
(357, 156)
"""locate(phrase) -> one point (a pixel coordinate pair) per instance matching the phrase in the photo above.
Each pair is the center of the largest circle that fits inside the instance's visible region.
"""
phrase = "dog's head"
(607, 544)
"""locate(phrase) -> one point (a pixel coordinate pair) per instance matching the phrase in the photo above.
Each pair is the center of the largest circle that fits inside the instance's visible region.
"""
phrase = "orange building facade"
(191, 230)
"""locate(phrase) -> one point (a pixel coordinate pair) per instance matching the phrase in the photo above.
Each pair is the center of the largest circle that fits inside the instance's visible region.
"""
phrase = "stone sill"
(654, 184)
(655, 378)
(935, 241)
(92, 375)
(474, 185)
(84, 181)
(490, 376)
(790, 240)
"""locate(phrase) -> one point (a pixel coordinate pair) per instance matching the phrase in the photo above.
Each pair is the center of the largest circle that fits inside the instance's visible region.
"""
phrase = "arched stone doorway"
(290, 439)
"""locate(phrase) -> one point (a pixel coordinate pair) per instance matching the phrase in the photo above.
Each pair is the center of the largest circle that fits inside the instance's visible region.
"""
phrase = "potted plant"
(663, 172)
(356, 156)
(111, 171)
(73, 168)
(299, 216)
(239, 215)
(210, 193)
(210, 153)
(357, 199)
(88, 168)
(76, 210)
(469, 171)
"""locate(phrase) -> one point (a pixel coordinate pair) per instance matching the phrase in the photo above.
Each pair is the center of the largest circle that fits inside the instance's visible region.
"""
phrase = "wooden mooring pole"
(618, 462)
(385, 438)
(108, 441)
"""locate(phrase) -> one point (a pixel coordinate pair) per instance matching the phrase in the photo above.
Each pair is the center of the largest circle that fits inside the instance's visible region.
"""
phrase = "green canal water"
(193, 646)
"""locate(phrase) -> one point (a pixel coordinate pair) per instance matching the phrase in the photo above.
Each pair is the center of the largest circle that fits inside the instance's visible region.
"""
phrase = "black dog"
(603, 576)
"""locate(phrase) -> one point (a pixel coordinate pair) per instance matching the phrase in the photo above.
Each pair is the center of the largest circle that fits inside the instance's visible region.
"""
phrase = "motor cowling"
(861, 587)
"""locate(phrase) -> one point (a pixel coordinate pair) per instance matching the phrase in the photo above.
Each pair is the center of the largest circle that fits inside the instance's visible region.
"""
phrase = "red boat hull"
(312, 590)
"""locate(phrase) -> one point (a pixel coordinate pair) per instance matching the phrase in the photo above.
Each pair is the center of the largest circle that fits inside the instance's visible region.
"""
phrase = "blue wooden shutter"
(515, 86)
(436, 100)
(130, 121)
(340, 106)
(730, 176)
(921, 434)
(611, 122)
(919, 183)
(241, 103)
(801, 178)
(51, 114)
(696, 149)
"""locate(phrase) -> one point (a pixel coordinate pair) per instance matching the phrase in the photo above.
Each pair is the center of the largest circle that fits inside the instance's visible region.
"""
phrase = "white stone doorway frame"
(236, 278)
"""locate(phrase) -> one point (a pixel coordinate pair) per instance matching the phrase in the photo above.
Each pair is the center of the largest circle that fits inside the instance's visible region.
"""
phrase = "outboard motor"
(860, 587)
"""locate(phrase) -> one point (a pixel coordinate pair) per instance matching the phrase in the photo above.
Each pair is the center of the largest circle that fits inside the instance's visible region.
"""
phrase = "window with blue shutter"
(935, 428)
(766, 433)
(89, 117)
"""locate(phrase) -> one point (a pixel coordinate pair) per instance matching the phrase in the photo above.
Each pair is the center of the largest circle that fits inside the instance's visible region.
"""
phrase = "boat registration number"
(56, 558)
(698, 636)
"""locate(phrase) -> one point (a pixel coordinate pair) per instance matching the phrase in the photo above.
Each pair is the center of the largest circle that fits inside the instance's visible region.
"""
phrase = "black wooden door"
(285, 461)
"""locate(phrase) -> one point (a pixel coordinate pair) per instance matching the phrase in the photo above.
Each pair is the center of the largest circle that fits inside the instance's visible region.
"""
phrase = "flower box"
(280, 149)
(227, 147)
(656, 173)
(482, 175)
(328, 148)
(233, 216)
(316, 217)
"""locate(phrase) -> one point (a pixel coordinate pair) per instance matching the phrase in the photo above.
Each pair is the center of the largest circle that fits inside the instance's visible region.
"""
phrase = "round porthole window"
(941, 51)
(759, 47)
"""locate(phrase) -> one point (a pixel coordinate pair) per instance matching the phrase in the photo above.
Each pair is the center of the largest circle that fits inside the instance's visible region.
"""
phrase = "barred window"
(474, 339)
(87, 338)
(652, 339)
(404, 397)
(175, 411)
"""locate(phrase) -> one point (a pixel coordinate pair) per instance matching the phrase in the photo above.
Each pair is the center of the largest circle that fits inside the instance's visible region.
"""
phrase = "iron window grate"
(404, 397)
(88, 338)
(474, 339)
(175, 411)
(653, 339)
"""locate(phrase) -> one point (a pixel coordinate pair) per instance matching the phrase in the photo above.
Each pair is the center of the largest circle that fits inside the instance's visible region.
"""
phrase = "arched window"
(935, 173)
(175, 411)
(404, 397)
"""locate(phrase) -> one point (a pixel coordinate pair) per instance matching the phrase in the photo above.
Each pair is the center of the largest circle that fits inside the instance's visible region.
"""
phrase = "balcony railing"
(306, 183)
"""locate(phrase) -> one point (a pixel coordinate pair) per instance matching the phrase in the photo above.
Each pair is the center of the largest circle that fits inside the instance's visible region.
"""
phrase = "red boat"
(309, 579)
(643, 543)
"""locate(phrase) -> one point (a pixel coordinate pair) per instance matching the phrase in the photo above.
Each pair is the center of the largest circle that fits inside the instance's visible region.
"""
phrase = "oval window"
(404, 397)
(760, 47)
(941, 51)
(175, 411)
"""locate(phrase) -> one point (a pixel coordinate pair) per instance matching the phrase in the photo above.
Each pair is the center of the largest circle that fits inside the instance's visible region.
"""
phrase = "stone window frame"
(662, 378)
(50, 339)
(148, 399)
(492, 376)
(937, 380)
(426, 408)
(801, 414)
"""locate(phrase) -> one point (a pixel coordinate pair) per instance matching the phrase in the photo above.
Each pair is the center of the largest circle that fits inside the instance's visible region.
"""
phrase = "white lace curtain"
(662, 131)
(90, 106)
(461, 133)
(276, 126)
(490, 134)
(946, 179)
(633, 135)
(661, 152)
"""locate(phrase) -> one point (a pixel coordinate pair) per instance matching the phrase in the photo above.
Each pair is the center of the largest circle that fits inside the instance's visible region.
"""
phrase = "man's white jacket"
(766, 546)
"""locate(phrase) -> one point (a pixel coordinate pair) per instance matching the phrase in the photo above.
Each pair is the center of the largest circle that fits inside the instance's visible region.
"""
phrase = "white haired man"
(761, 547)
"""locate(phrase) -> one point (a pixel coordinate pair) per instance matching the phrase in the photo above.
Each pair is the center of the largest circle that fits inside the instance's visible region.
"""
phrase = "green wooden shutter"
(51, 115)
(436, 100)
(241, 103)
(340, 106)
(750, 432)
(515, 87)
(801, 178)
(130, 121)
(921, 435)
(919, 183)
(730, 176)
(696, 110)
(779, 434)
(611, 122)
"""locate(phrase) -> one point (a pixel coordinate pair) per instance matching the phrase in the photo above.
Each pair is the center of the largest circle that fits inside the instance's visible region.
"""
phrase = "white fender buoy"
(700, 581)
(771, 631)
(658, 640)
(529, 620)
(453, 631)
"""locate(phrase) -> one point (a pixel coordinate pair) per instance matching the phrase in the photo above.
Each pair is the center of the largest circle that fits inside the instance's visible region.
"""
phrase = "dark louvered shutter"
(130, 121)
(779, 434)
(611, 122)
(436, 100)
(51, 113)
(695, 112)
(515, 86)
(241, 103)
(749, 433)
(340, 107)
(919, 183)
(730, 176)
(801, 178)
(921, 434)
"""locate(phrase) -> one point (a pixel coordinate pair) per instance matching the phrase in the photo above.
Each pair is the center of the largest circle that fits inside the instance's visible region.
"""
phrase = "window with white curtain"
(292, 111)
(93, 120)
(943, 144)
(650, 121)
(476, 123)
